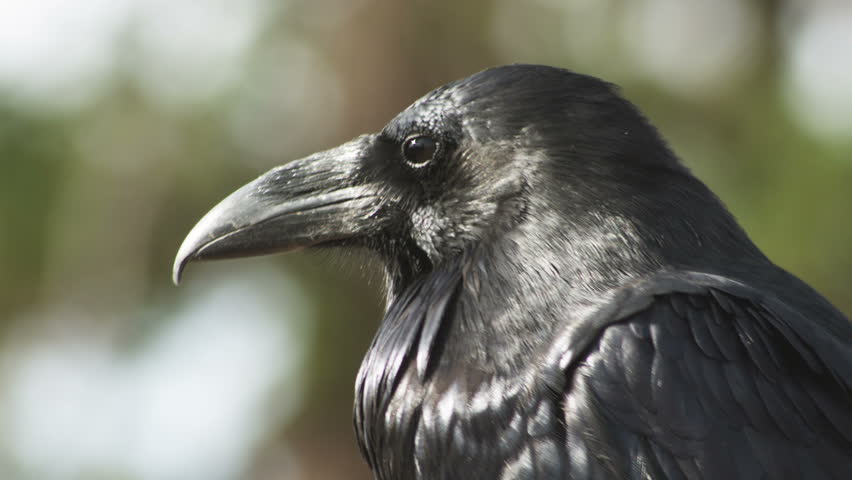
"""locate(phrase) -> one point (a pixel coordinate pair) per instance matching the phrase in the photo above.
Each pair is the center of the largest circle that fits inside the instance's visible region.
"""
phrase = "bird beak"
(318, 199)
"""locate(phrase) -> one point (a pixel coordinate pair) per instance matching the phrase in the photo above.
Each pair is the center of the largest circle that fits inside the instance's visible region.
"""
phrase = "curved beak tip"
(177, 270)
(183, 257)
(189, 250)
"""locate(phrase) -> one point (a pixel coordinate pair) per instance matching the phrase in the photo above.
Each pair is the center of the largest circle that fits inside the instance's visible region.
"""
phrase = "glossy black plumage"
(565, 300)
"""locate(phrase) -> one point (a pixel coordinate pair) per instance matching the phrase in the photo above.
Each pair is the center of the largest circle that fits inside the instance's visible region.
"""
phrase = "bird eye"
(419, 150)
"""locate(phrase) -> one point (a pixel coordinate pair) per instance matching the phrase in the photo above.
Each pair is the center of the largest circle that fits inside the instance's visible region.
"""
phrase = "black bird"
(565, 300)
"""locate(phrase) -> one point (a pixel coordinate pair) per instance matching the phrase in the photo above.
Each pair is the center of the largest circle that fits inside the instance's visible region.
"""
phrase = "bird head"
(467, 162)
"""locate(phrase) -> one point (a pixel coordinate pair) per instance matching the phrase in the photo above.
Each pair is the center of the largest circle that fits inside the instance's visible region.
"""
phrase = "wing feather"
(707, 382)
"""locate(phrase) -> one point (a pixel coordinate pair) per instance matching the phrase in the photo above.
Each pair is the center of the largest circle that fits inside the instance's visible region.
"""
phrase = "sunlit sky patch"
(190, 403)
(691, 47)
(59, 55)
(818, 86)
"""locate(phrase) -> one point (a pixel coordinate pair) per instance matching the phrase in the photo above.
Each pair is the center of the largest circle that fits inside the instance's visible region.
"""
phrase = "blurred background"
(123, 121)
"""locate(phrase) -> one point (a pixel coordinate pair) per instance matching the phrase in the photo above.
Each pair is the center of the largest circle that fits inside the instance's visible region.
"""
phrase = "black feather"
(571, 276)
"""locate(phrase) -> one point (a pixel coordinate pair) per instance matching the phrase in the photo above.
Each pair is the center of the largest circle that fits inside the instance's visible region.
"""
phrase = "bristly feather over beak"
(320, 199)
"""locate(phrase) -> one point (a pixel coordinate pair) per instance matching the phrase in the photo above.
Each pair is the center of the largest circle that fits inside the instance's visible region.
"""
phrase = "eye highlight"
(419, 150)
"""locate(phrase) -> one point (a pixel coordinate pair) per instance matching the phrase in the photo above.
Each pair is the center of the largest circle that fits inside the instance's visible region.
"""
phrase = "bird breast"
(471, 426)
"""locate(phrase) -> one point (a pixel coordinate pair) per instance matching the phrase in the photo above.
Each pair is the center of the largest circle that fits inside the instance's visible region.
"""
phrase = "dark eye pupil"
(419, 150)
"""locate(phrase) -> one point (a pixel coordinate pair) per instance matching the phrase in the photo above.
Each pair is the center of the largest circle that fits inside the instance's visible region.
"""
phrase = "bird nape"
(565, 300)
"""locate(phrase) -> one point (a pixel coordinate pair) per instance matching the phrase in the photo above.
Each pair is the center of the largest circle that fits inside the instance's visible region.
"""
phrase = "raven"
(565, 299)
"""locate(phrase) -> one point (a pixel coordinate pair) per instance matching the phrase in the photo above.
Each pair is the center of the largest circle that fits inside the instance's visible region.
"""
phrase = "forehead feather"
(435, 113)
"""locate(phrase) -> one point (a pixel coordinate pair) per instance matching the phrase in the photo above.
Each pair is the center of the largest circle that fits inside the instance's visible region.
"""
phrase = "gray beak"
(316, 200)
